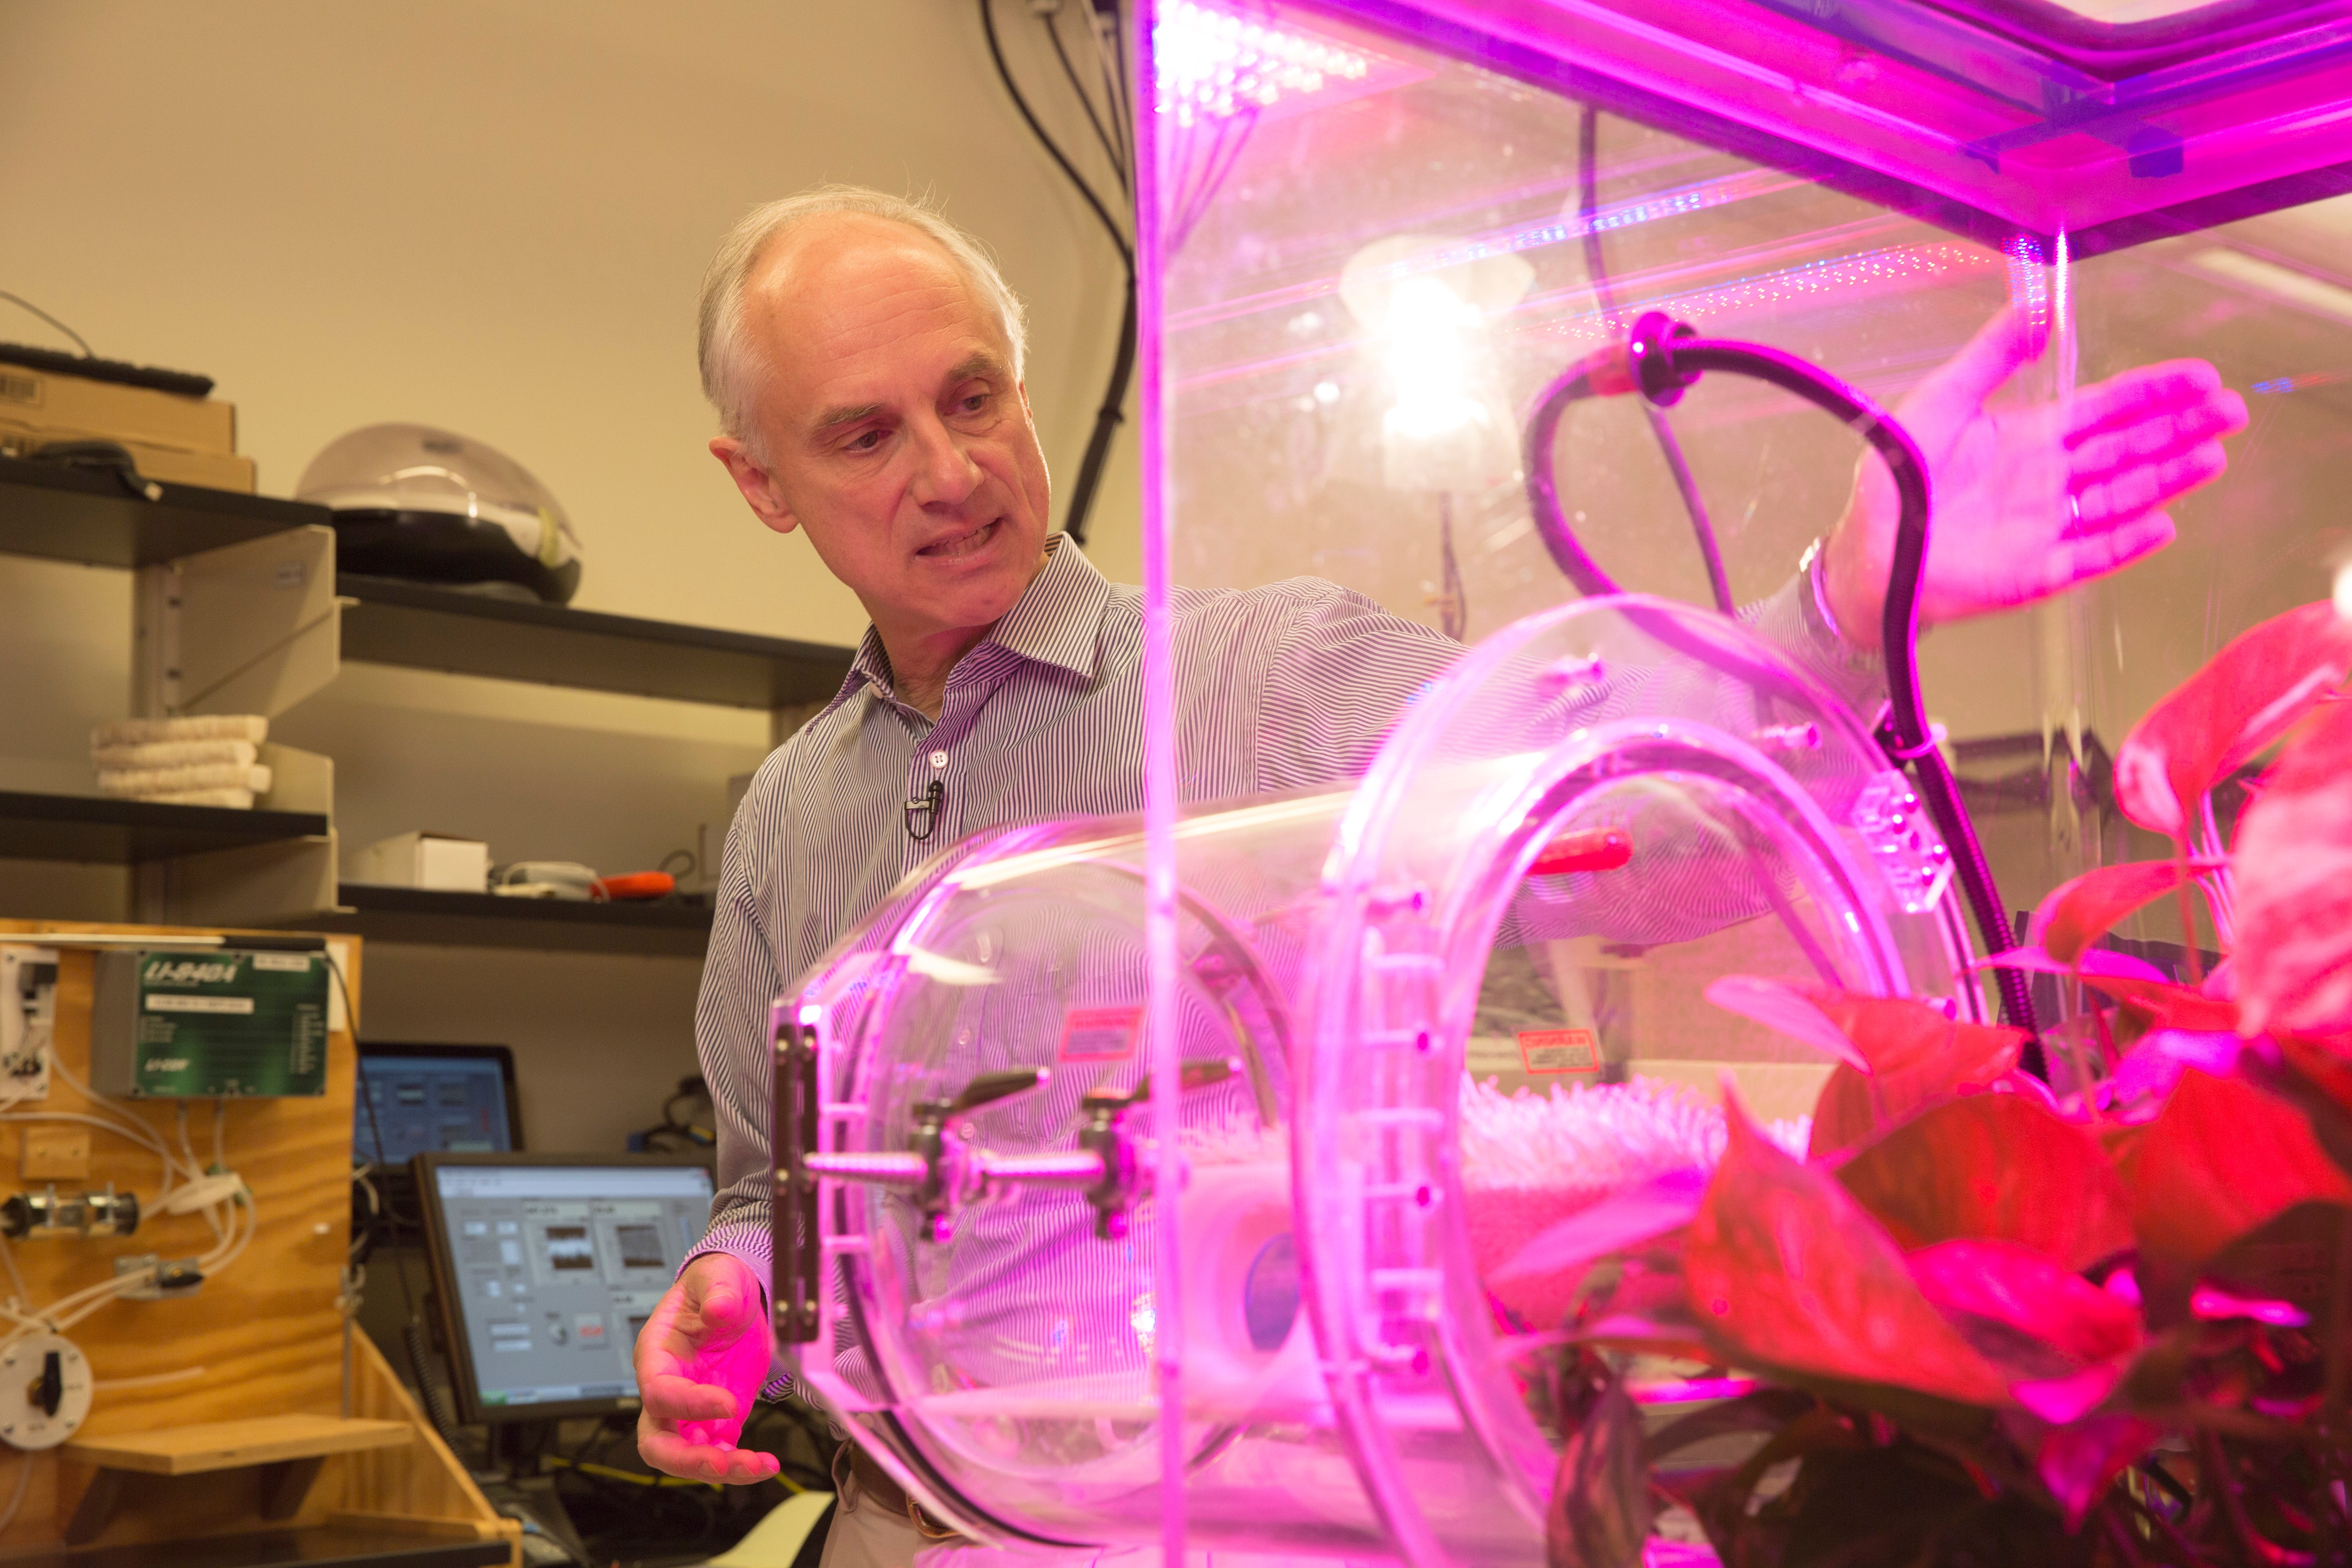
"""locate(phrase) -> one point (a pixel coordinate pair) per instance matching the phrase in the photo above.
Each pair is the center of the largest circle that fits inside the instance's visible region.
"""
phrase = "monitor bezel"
(503, 1055)
(448, 1306)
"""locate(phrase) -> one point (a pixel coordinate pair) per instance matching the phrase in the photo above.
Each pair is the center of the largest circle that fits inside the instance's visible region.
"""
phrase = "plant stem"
(2258, 1548)
(2073, 1029)
(2106, 1038)
(2193, 955)
(2339, 1322)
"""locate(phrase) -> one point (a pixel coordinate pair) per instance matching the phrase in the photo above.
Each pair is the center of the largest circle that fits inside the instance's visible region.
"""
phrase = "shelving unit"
(96, 519)
(93, 830)
(74, 514)
(426, 627)
(431, 918)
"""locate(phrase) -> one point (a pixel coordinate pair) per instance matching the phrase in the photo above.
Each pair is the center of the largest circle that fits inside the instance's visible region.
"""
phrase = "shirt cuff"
(1795, 621)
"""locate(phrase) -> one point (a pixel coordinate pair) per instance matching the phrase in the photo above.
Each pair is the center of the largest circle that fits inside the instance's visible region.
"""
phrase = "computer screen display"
(546, 1267)
(416, 1099)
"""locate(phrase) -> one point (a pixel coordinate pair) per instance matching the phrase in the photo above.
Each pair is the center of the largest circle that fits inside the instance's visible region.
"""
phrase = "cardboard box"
(433, 860)
(48, 400)
(213, 470)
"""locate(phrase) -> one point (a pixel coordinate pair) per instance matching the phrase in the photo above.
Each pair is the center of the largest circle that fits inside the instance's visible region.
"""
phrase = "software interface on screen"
(454, 1104)
(557, 1267)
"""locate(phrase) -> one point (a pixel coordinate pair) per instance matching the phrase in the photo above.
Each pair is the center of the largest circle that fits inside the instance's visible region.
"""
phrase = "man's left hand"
(2029, 502)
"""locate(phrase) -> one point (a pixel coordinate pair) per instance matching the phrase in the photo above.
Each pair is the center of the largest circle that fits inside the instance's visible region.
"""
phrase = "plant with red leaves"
(1989, 1325)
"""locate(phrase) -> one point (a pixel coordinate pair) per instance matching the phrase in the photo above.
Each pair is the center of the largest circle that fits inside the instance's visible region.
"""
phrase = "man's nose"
(945, 475)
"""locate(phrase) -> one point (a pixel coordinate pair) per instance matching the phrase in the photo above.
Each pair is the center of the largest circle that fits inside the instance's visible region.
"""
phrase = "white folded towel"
(148, 784)
(251, 727)
(234, 799)
(176, 755)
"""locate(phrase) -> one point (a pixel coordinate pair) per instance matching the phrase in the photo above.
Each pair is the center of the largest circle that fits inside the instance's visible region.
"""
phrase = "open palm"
(2029, 502)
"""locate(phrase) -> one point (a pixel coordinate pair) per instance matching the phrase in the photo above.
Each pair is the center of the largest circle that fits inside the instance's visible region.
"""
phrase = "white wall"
(494, 216)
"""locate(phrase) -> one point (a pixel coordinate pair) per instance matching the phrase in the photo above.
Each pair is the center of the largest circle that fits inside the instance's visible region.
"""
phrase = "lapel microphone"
(923, 811)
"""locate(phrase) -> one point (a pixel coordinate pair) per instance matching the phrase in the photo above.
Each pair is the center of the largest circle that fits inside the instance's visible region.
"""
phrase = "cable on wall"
(1109, 126)
(18, 299)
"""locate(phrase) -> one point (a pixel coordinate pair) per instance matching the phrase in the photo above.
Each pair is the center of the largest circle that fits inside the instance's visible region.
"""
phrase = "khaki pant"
(866, 1536)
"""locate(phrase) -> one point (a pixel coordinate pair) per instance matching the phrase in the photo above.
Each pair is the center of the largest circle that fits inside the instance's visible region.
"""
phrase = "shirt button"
(938, 759)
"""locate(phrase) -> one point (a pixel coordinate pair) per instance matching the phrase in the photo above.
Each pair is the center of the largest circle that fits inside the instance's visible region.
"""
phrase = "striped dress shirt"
(1278, 688)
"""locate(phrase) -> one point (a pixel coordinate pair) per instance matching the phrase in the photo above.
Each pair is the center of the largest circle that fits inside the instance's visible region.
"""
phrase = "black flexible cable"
(1899, 637)
(1659, 363)
(1085, 100)
(1109, 417)
(1111, 48)
(1596, 268)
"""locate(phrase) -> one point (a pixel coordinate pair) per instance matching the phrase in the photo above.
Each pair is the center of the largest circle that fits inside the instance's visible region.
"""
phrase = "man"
(866, 361)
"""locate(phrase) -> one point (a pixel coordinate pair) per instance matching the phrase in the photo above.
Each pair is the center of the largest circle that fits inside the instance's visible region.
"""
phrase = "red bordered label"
(1560, 1050)
(1099, 1033)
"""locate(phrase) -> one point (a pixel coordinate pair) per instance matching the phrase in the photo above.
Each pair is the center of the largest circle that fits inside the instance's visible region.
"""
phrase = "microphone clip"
(923, 811)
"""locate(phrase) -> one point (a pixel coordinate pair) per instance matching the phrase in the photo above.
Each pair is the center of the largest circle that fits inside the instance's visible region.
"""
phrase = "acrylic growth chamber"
(1399, 1026)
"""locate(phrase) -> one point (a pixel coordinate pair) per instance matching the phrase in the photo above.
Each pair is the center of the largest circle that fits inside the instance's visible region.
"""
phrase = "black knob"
(50, 1392)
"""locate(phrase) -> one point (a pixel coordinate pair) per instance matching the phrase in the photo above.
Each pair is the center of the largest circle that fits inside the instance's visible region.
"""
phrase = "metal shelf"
(429, 918)
(424, 628)
(95, 830)
(71, 514)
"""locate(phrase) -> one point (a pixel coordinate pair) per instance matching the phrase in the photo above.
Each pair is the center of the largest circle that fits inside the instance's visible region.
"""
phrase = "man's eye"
(974, 402)
(866, 443)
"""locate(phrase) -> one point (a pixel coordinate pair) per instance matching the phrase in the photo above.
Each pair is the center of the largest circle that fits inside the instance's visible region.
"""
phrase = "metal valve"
(943, 1173)
(1105, 1137)
(45, 1215)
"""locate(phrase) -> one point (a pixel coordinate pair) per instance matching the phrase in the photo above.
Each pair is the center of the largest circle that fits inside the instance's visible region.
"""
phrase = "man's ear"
(757, 485)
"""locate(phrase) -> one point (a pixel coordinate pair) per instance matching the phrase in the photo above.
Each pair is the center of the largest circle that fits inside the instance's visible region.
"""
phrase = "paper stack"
(210, 760)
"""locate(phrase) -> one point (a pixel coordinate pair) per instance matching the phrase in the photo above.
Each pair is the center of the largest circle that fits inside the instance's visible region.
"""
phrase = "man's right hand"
(702, 1358)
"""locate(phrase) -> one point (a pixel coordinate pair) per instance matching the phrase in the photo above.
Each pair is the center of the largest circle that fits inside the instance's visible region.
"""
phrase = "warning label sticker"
(1099, 1033)
(1560, 1050)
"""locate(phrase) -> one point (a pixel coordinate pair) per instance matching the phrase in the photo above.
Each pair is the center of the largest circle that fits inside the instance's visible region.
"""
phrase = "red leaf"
(1791, 1273)
(1789, 1008)
(2030, 1292)
(2317, 1075)
(1914, 1054)
(1624, 1218)
(2169, 1007)
(1601, 1510)
(2080, 913)
(2293, 867)
(2220, 1159)
(2062, 1400)
(2249, 695)
(1994, 1167)
(2080, 1462)
(2090, 960)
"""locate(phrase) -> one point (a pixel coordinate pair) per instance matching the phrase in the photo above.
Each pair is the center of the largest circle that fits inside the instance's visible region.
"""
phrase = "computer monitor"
(546, 1266)
(449, 1099)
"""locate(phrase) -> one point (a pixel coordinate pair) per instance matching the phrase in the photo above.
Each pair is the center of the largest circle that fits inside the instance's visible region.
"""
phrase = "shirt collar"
(1058, 618)
(1057, 621)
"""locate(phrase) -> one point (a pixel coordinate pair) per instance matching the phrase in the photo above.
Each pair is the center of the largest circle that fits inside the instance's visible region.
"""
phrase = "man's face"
(891, 428)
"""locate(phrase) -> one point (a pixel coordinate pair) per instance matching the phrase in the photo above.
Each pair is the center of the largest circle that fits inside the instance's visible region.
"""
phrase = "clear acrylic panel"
(1423, 1016)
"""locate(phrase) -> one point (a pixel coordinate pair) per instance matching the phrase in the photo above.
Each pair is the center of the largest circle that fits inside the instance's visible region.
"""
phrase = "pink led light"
(1214, 65)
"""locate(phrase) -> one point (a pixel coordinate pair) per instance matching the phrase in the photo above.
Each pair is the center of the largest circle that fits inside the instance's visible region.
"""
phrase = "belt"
(866, 1480)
